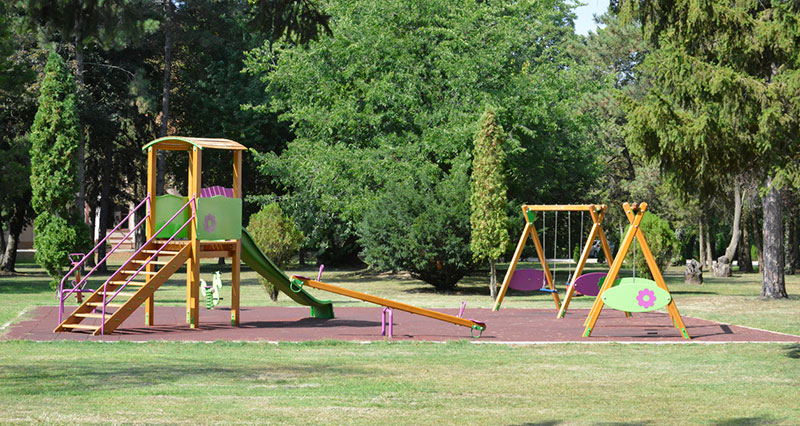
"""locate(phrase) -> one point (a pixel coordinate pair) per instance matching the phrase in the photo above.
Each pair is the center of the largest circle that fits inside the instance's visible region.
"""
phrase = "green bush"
(55, 238)
(661, 240)
(278, 237)
(421, 224)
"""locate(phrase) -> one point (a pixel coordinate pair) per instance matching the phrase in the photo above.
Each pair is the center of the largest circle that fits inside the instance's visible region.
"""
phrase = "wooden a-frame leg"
(512, 267)
(597, 307)
(672, 309)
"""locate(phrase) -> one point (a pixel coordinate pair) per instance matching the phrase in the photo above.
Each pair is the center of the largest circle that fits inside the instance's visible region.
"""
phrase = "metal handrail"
(62, 297)
(106, 300)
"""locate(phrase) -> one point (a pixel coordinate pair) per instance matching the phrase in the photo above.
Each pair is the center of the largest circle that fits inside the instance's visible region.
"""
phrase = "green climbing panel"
(166, 206)
(219, 218)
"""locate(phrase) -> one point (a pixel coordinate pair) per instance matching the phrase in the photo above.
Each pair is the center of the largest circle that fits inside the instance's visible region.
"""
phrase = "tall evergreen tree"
(489, 217)
(725, 77)
(54, 146)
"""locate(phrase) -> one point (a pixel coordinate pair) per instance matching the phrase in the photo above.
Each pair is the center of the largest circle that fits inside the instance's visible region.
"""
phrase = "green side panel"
(641, 296)
(166, 206)
(256, 260)
(219, 218)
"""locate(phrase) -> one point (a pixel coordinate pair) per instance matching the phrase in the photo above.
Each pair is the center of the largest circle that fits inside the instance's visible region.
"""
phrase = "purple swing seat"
(529, 280)
(587, 283)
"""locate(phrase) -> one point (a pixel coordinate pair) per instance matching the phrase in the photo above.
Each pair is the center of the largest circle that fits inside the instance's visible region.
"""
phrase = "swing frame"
(635, 213)
(596, 212)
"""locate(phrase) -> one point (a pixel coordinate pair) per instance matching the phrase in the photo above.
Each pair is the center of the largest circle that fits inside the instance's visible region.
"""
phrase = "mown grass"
(407, 383)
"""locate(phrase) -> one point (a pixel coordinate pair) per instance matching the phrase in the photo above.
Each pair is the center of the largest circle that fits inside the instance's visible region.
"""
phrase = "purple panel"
(587, 283)
(216, 190)
(528, 280)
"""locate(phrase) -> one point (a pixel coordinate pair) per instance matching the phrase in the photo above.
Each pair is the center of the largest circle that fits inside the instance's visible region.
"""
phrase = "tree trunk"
(709, 251)
(105, 204)
(773, 284)
(80, 199)
(702, 238)
(15, 226)
(2, 243)
(693, 273)
(745, 260)
(493, 279)
(722, 266)
(165, 94)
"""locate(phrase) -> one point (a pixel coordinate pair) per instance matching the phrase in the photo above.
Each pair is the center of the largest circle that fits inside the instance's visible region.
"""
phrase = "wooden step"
(108, 305)
(142, 272)
(91, 315)
(81, 326)
(136, 283)
(121, 293)
(160, 253)
(154, 262)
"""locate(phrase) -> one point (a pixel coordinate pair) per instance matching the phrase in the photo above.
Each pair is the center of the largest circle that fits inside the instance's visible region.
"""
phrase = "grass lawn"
(407, 383)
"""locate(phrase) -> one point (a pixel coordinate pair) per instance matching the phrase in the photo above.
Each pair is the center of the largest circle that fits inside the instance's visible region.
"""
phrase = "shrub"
(278, 237)
(661, 240)
(55, 239)
(421, 224)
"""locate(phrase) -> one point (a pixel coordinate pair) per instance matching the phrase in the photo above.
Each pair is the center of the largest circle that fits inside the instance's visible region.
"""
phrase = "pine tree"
(54, 146)
(723, 101)
(488, 201)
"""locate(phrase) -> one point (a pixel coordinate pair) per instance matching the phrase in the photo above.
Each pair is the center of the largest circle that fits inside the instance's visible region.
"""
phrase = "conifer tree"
(489, 217)
(54, 146)
(723, 101)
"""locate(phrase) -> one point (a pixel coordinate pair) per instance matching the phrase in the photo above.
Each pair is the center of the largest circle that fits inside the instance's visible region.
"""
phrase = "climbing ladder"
(121, 294)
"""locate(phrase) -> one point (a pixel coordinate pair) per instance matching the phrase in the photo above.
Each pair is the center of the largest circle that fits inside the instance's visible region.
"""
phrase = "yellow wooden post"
(193, 263)
(513, 266)
(150, 225)
(672, 309)
(237, 254)
(625, 245)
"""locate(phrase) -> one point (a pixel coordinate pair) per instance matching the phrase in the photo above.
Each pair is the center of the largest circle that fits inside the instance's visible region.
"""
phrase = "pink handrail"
(61, 295)
(106, 300)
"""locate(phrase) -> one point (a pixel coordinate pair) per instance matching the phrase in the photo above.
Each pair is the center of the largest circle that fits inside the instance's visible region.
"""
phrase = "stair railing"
(106, 299)
(61, 293)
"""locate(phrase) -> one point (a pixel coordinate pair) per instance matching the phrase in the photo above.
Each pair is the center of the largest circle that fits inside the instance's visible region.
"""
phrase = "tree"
(399, 85)
(723, 101)
(54, 145)
(277, 236)
(489, 218)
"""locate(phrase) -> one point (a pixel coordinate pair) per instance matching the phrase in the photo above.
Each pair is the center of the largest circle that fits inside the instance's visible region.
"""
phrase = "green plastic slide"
(256, 260)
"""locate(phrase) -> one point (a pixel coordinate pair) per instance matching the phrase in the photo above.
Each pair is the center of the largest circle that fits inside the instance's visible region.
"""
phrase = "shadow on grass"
(762, 420)
(793, 351)
(544, 423)
(692, 292)
(25, 284)
(75, 378)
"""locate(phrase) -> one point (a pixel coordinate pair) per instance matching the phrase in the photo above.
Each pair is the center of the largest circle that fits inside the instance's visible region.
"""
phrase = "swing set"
(626, 294)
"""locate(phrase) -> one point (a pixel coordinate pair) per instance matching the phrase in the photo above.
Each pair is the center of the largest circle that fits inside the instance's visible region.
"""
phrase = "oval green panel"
(641, 295)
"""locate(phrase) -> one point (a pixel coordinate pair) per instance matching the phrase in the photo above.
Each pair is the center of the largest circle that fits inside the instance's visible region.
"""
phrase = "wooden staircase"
(88, 317)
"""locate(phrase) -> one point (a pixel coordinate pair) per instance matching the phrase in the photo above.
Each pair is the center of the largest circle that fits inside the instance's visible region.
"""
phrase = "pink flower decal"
(646, 298)
(209, 223)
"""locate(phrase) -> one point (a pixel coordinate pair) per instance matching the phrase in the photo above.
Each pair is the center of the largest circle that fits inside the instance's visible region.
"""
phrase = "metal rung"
(82, 326)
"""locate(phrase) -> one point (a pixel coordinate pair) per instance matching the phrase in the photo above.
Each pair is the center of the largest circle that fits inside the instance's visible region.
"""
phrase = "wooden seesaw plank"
(303, 281)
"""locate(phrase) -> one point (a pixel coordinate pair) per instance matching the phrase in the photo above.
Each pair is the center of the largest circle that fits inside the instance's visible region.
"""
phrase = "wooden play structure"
(542, 280)
(634, 294)
(179, 230)
(206, 223)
